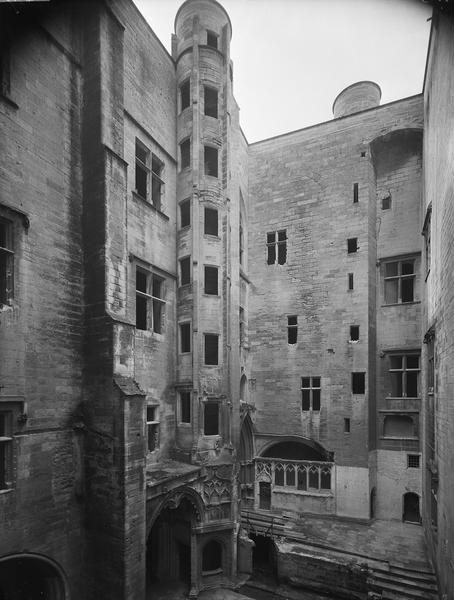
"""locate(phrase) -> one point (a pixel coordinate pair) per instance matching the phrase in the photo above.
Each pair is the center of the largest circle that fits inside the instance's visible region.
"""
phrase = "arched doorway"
(411, 512)
(31, 577)
(264, 558)
(170, 547)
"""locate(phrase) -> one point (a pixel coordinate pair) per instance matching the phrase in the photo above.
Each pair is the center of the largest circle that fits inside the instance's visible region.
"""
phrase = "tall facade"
(204, 341)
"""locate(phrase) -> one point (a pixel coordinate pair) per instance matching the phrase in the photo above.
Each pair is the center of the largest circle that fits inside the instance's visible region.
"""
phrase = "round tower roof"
(357, 97)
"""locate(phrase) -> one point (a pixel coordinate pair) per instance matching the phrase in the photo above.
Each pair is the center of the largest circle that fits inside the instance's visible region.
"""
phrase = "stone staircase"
(402, 583)
(262, 523)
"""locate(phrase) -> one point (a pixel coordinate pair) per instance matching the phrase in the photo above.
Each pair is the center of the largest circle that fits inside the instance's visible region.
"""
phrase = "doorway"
(265, 495)
(411, 508)
(30, 578)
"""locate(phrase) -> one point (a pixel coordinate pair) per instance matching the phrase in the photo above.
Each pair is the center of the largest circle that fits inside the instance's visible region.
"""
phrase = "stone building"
(206, 344)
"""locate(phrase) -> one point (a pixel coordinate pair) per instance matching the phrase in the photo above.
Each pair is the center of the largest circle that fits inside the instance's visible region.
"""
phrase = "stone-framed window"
(150, 301)
(292, 329)
(403, 379)
(210, 96)
(211, 417)
(276, 247)
(310, 394)
(6, 262)
(185, 94)
(211, 353)
(185, 337)
(184, 407)
(210, 225)
(399, 280)
(185, 213)
(152, 428)
(6, 448)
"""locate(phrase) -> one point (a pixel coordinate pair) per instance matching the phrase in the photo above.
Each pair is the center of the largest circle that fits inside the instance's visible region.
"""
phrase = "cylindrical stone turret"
(356, 98)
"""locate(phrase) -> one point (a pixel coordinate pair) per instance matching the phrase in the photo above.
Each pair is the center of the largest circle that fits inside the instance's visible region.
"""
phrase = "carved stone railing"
(299, 475)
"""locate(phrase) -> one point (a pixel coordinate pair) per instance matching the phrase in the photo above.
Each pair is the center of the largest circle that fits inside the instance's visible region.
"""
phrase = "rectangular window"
(211, 281)
(185, 270)
(404, 375)
(185, 406)
(142, 170)
(276, 243)
(346, 425)
(152, 428)
(211, 418)
(6, 446)
(292, 329)
(354, 333)
(157, 184)
(352, 245)
(158, 303)
(355, 193)
(212, 39)
(6, 262)
(242, 325)
(358, 383)
(185, 154)
(211, 102)
(185, 337)
(185, 213)
(386, 203)
(310, 393)
(211, 161)
(350, 281)
(185, 94)
(143, 298)
(211, 221)
(399, 281)
(413, 461)
(211, 349)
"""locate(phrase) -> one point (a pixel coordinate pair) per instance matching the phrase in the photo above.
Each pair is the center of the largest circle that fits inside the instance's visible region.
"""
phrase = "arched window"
(212, 557)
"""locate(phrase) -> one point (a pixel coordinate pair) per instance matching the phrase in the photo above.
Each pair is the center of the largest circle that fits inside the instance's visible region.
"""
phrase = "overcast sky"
(292, 57)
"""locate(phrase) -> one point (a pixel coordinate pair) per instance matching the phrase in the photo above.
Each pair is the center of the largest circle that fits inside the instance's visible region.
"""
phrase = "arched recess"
(173, 500)
(31, 576)
(296, 448)
(243, 389)
(246, 458)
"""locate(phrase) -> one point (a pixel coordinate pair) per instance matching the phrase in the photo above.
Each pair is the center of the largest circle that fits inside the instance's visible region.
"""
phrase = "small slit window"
(152, 428)
(347, 425)
(350, 281)
(292, 329)
(354, 333)
(211, 161)
(6, 448)
(355, 193)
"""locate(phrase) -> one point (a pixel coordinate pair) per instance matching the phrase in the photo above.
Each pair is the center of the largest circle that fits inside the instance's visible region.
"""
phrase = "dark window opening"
(211, 349)
(354, 333)
(211, 281)
(211, 161)
(142, 299)
(185, 153)
(346, 425)
(310, 393)
(142, 169)
(185, 213)
(276, 242)
(185, 407)
(212, 40)
(185, 337)
(152, 428)
(350, 281)
(399, 281)
(157, 184)
(212, 557)
(158, 303)
(413, 461)
(211, 221)
(363, 154)
(5, 449)
(211, 102)
(185, 271)
(355, 193)
(411, 508)
(211, 418)
(6, 261)
(292, 329)
(358, 383)
(404, 376)
(278, 475)
(185, 94)
(386, 203)
(352, 245)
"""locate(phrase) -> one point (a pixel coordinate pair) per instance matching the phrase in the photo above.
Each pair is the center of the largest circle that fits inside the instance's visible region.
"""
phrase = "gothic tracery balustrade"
(304, 476)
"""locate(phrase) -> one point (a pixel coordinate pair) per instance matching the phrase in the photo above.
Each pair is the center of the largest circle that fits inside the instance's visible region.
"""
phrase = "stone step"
(394, 591)
(405, 571)
(418, 584)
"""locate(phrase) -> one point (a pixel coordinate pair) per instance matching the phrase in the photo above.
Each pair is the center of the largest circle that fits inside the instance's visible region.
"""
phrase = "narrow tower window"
(211, 349)
(211, 161)
(185, 407)
(142, 169)
(292, 329)
(185, 270)
(185, 153)
(211, 221)
(185, 94)
(211, 281)
(212, 39)
(185, 213)
(355, 193)
(354, 333)
(352, 245)
(350, 281)
(211, 102)
(185, 337)
(346, 425)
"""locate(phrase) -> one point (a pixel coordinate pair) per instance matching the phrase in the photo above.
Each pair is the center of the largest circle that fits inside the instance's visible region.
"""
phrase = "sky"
(291, 58)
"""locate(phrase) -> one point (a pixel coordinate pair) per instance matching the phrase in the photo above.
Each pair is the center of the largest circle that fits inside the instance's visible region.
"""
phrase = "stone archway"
(31, 577)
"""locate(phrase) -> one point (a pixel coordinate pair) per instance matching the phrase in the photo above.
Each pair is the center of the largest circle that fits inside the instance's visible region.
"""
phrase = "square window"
(211, 161)
(185, 270)
(413, 461)
(211, 221)
(358, 383)
(352, 245)
(185, 154)
(211, 281)
(211, 418)
(211, 349)
(185, 213)
(185, 407)
(386, 203)
(185, 337)
(185, 94)
(211, 102)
